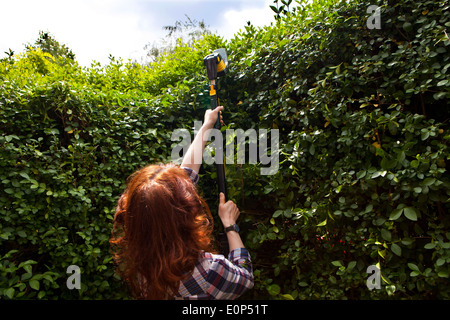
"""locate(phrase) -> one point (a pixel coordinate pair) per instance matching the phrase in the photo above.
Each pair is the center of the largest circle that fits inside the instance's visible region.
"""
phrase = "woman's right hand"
(228, 211)
(211, 117)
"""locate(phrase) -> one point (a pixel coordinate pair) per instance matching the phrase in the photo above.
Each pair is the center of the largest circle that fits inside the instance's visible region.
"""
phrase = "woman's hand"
(211, 117)
(228, 212)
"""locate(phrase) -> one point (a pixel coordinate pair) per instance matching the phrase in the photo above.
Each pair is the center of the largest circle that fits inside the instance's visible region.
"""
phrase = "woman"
(162, 234)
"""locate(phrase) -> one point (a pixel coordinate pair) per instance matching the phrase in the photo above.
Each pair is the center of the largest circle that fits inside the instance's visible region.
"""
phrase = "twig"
(406, 38)
(423, 104)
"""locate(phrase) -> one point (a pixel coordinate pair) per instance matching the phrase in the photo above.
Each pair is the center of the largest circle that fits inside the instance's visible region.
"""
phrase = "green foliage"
(48, 44)
(70, 137)
(363, 180)
(364, 152)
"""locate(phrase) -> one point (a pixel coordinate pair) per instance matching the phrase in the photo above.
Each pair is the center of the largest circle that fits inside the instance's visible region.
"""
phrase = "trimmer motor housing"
(216, 64)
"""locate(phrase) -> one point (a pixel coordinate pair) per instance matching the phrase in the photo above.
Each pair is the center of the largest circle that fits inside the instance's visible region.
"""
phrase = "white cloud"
(93, 29)
(257, 12)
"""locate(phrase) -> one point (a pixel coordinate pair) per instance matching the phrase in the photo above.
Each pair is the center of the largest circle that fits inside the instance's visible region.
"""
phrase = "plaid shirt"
(214, 276)
(192, 174)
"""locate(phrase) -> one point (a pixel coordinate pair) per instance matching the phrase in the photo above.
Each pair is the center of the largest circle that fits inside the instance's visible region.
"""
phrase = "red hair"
(161, 226)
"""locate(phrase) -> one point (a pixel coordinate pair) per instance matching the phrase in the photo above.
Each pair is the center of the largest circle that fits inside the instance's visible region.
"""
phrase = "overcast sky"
(93, 29)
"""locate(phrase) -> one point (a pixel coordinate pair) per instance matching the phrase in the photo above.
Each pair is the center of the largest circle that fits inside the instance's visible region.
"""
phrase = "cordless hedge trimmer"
(217, 65)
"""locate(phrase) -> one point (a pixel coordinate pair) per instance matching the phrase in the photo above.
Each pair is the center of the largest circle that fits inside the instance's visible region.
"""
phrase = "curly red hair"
(161, 226)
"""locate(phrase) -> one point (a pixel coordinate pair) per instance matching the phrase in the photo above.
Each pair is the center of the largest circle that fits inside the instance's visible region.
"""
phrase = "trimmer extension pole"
(219, 148)
(216, 65)
(220, 167)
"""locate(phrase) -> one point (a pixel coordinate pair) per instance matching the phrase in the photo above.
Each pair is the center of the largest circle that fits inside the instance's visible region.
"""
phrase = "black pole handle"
(220, 167)
(221, 182)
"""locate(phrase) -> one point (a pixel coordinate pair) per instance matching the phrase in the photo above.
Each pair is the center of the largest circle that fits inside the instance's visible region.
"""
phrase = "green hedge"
(363, 117)
(64, 155)
(364, 152)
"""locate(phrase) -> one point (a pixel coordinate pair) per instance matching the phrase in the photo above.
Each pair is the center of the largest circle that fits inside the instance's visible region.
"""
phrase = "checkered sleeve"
(192, 174)
(230, 278)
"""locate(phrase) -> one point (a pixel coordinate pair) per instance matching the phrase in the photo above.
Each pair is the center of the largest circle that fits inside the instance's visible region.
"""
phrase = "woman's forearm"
(194, 155)
(234, 240)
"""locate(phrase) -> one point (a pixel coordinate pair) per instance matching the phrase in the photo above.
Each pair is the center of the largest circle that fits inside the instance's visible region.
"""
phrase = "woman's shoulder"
(204, 255)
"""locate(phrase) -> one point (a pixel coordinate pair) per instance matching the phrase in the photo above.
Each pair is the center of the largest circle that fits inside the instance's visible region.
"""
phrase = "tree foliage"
(181, 33)
(48, 44)
(364, 152)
